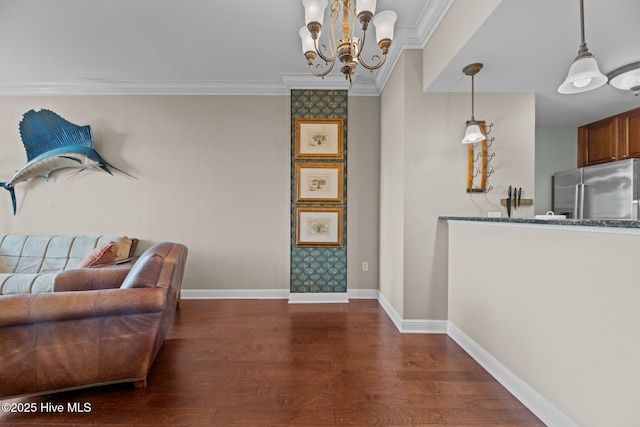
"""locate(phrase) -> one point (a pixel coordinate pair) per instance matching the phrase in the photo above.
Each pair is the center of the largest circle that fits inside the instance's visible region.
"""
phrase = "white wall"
(363, 191)
(213, 173)
(558, 308)
(392, 137)
(556, 150)
(428, 178)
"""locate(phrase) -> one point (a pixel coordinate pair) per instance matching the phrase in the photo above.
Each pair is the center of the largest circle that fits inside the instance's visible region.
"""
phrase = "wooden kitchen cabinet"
(610, 139)
(630, 134)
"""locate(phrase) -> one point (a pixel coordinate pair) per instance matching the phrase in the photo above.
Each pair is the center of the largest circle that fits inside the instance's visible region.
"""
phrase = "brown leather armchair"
(99, 326)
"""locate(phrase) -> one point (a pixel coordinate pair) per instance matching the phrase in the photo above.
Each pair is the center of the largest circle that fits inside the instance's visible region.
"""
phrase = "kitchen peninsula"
(550, 308)
(609, 223)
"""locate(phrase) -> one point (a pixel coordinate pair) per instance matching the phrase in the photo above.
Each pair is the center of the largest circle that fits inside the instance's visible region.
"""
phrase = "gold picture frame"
(319, 182)
(319, 138)
(319, 227)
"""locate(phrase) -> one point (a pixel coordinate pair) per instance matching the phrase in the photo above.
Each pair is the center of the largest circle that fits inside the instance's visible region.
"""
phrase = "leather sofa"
(98, 325)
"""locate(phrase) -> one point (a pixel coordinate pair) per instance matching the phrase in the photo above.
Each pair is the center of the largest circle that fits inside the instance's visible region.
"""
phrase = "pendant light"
(626, 78)
(584, 74)
(473, 133)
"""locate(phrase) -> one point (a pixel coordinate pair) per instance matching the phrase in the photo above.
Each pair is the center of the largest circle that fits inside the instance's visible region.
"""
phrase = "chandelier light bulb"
(582, 82)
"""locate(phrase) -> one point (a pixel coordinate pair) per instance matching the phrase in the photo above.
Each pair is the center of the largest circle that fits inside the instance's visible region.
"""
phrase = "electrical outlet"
(365, 266)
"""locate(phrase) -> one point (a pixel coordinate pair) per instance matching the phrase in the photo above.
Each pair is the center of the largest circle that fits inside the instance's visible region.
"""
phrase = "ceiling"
(252, 46)
(528, 46)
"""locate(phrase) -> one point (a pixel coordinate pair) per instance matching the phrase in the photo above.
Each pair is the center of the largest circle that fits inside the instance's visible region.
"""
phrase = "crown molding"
(146, 87)
(359, 87)
(430, 18)
(412, 37)
(406, 37)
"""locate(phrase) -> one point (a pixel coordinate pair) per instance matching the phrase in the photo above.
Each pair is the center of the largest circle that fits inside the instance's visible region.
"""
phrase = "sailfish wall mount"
(53, 143)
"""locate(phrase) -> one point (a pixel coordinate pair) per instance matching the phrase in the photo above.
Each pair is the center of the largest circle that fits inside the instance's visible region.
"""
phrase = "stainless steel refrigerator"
(606, 191)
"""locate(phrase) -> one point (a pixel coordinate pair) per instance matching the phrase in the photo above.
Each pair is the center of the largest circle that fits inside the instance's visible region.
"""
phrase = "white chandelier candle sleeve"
(314, 10)
(307, 41)
(365, 6)
(384, 23)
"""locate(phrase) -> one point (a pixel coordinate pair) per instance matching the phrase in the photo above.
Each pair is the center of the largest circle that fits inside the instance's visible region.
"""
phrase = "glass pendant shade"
(626, 78)
(384, 23)
(473, 134)
(365, 6)
(307, 40)
(314, 10)
(584, 75)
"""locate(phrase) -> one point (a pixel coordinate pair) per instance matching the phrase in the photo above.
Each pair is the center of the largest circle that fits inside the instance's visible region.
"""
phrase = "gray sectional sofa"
(30, 264)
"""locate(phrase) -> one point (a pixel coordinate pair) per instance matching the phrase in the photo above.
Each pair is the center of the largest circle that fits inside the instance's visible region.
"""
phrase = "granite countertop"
(616, 223)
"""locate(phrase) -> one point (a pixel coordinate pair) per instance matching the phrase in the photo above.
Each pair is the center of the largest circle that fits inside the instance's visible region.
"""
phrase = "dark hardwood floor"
(268, 363)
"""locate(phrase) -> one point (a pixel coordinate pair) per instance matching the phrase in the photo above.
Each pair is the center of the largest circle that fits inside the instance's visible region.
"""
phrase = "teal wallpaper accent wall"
(317, 270)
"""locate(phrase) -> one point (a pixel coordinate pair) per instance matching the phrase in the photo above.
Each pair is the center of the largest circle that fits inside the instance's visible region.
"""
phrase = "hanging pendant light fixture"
(473, 133)
(348, 49)
(584, 74)
(626, 78)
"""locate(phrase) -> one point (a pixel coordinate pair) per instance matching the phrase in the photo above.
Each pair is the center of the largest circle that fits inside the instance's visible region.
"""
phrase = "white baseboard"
(534, 401)
(318, 298)
(234, 294)
(409, 326)
(263, 294)
(417, 326)
(412, 326)
(362, 293)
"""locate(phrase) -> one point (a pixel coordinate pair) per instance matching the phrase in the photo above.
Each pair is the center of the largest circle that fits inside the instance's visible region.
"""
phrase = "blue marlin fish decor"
(52, 143)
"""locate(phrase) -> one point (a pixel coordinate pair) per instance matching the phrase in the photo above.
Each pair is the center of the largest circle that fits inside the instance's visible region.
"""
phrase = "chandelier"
(349, 48)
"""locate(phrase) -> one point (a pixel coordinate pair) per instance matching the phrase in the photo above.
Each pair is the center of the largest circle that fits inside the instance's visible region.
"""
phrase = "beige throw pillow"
(123, 247)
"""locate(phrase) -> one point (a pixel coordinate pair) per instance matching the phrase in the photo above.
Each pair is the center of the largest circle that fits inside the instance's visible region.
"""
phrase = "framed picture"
(318, 227)
(319, 138)
(319, 182)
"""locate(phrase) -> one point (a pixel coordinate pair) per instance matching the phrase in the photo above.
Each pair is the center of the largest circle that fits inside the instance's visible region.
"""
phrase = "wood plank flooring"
(268, 363)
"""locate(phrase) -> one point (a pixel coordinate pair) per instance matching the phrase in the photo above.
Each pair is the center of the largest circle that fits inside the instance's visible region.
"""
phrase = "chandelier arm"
(325, 58)
(315, 72)
(380, 61)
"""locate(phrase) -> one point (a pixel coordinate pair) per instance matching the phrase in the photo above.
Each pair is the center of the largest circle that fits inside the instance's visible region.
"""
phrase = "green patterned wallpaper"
(316, 270)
